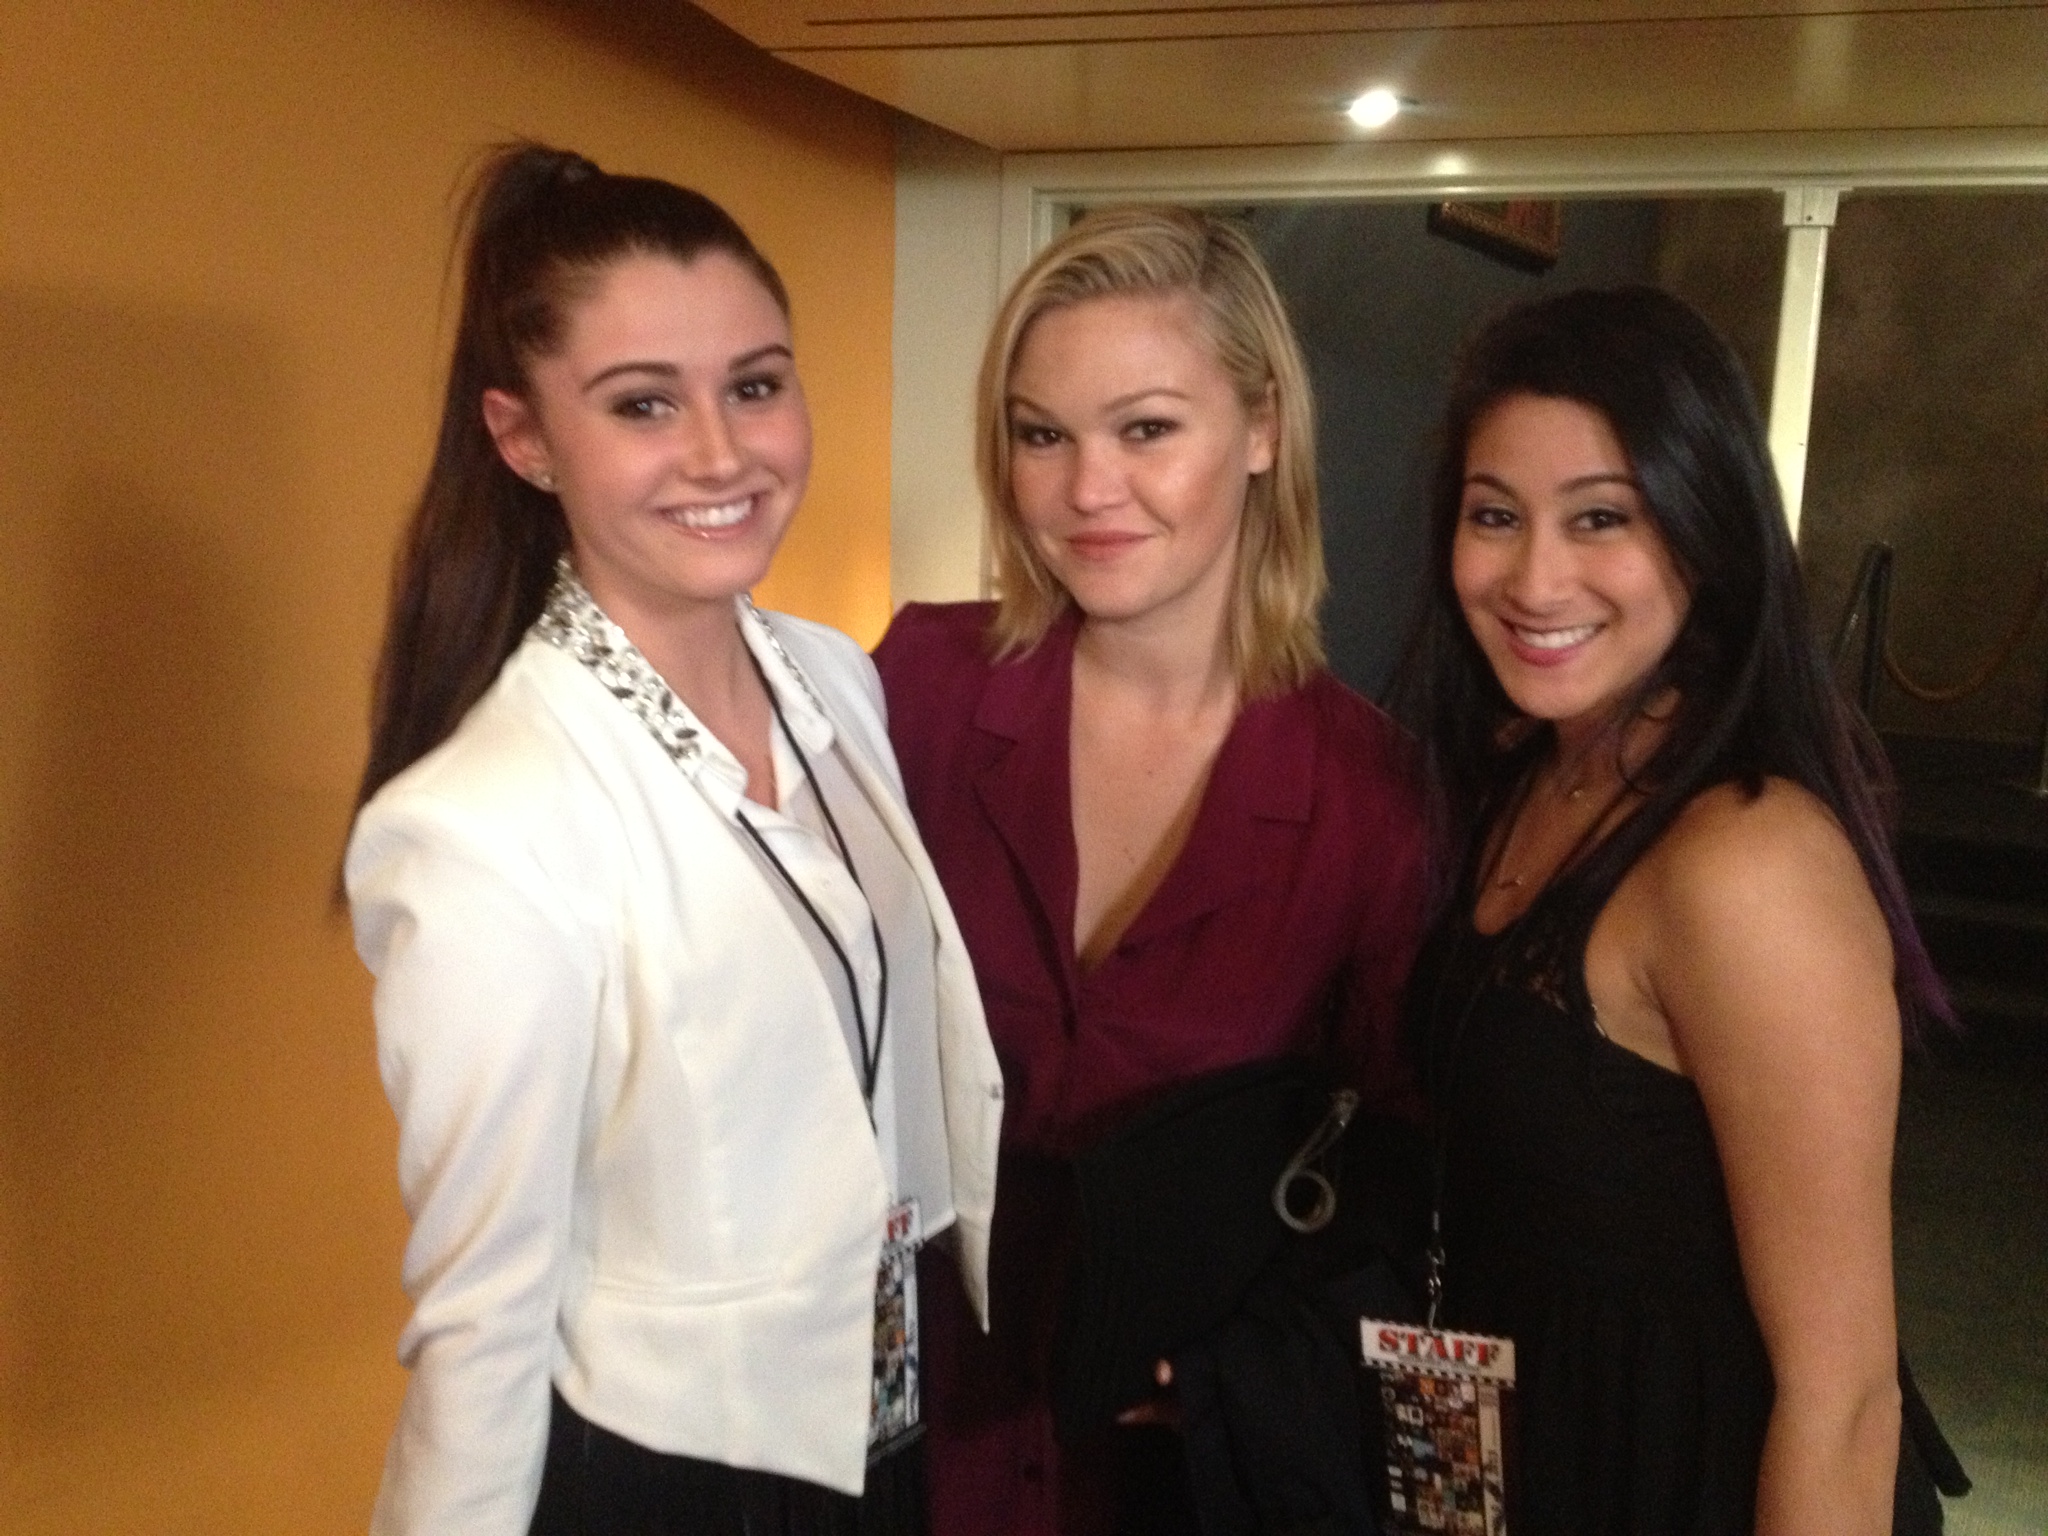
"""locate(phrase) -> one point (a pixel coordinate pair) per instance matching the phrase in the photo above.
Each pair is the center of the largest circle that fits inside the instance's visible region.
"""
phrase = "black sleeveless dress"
(1585, 1217)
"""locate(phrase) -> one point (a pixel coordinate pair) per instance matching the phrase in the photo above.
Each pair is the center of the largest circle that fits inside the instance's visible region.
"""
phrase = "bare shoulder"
(1732, 852)
(1754, 894)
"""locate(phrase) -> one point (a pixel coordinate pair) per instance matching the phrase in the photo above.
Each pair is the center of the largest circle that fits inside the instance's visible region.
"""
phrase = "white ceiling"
(1045, 75)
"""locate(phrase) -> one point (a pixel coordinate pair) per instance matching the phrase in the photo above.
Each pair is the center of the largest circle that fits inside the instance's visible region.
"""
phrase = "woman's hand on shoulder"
(1772, 962)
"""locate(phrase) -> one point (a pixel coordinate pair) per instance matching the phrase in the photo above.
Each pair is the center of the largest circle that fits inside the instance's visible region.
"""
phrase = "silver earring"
(544, 479)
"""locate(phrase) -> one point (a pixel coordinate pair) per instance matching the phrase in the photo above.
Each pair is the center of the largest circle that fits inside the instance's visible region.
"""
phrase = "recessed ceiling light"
(1375, 108)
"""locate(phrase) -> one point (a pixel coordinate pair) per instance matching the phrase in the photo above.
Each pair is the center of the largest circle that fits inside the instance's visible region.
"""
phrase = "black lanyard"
(870, 1057)
(1440, 1066)
(1440, 1072)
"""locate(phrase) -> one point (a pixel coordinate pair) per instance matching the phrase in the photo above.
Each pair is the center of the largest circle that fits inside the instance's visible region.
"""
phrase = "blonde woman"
(1174, 841)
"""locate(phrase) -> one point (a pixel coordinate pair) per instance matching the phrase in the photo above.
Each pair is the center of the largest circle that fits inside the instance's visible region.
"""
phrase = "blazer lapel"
(1023, 785)
(1254, 808)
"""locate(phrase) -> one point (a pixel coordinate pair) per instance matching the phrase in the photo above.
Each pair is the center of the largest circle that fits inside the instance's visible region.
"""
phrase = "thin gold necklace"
(1571, 796)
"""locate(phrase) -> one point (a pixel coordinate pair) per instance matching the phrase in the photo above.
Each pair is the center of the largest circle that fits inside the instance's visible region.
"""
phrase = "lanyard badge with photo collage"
(894, 1420)
(1447, 1403)
(1447, 1399)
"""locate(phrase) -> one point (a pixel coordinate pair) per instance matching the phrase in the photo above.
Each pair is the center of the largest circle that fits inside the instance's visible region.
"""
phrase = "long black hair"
(537, 227)
(1756, 696)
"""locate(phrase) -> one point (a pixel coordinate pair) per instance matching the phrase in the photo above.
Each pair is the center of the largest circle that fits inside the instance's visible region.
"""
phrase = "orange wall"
(222, 233)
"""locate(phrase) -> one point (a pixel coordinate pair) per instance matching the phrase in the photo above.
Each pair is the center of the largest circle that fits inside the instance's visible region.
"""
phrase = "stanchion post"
(1809, 214)
(2039, 786)
(1877, 629)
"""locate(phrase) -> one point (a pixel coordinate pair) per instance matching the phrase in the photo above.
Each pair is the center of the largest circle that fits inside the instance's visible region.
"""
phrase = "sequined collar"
(572, 622)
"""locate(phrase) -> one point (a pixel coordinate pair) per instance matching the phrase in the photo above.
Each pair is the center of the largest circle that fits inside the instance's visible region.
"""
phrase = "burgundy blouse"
(1286, 925)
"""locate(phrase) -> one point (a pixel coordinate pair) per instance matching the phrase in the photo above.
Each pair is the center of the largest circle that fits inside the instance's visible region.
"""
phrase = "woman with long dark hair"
(1660, 1014)
(682, 1040)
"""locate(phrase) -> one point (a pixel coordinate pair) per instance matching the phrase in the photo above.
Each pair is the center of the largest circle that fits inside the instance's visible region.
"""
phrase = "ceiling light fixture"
(1375, 108)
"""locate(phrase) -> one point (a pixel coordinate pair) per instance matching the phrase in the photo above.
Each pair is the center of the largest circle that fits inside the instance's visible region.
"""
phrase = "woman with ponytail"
(684, 1047)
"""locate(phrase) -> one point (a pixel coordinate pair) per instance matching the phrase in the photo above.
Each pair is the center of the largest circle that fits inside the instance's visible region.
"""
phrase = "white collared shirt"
(908, 1107)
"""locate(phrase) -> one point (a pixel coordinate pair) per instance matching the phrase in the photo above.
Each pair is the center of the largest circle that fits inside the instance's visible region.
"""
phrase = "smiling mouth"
(711, 519)
(1553, 639)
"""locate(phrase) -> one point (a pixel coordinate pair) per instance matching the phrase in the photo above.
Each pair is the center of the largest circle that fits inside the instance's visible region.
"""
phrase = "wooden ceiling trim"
(1634, 78)
(826, 25)
(1644, 165)
(1052, 76)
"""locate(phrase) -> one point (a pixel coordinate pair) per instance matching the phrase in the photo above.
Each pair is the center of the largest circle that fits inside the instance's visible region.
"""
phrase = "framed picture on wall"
(1526, 234)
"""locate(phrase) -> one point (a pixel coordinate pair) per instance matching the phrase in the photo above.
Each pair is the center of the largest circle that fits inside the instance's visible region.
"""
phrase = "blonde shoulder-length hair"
(1274, 637)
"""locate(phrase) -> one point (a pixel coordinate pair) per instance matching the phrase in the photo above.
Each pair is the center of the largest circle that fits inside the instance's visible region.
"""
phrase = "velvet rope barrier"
(1977, 679)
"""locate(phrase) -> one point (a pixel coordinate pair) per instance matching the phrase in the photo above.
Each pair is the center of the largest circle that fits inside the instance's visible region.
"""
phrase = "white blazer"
(630, 1135)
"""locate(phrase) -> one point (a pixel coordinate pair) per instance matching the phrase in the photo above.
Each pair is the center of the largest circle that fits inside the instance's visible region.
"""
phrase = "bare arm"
(1772, 965)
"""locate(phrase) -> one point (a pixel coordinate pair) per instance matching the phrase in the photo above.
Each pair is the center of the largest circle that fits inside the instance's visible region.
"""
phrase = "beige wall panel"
(948, 204)
(223, 225)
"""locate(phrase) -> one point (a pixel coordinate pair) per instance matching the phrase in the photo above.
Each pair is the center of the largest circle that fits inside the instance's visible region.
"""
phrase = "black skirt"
(597, 1483)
